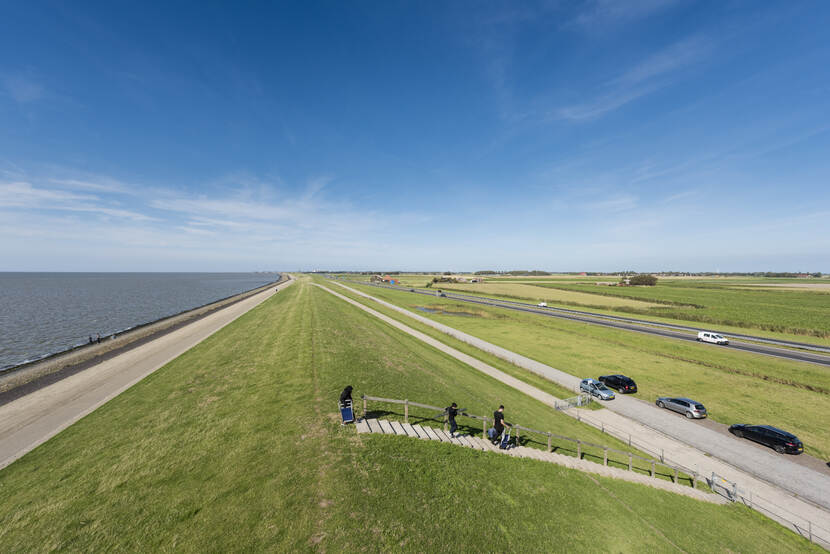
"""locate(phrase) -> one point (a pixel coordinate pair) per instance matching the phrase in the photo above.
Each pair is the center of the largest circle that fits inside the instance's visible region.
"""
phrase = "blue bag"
(346, 411)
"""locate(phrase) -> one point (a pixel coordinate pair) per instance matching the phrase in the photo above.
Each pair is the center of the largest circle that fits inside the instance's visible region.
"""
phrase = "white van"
(542, 304)
(706, 336)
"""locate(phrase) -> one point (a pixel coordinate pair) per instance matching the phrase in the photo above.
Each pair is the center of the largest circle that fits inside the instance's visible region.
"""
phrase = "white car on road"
(706, 336)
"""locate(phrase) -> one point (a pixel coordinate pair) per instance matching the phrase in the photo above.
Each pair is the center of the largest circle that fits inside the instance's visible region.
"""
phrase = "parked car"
(706, 336)
(411, 290)
(542, 304)
(442, 295)
(767, 435)
(595, 388)
(619, 382)
(685, 406)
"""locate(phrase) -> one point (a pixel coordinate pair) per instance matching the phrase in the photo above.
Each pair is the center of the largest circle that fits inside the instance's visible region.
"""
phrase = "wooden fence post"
(550, 447)
(694, 480)
(579, 449)
(484, 425)
(406, 410)
(364, 406)
(629, 461)
(605, 457)
(652, 468)
(517, 436)
(675, 475)
(446, 416)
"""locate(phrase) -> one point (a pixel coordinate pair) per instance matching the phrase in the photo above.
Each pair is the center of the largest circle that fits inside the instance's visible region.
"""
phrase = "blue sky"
(568, 136)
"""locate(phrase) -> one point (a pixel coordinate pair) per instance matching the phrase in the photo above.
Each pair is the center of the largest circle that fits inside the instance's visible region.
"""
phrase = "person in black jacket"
(452, 411)
(499, 423)
(346, 394)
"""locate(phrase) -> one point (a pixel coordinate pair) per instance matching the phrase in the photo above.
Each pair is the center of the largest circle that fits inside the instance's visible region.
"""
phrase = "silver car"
(686, 406)
(594, 387)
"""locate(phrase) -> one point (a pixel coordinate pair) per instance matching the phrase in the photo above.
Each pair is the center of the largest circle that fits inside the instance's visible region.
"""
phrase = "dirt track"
(32, 419)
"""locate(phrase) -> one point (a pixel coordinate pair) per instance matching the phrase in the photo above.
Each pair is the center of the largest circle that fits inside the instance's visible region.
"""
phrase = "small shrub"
(643, 279)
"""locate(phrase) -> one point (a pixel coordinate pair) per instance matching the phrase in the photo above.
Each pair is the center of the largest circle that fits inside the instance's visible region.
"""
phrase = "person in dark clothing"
(346, 394)
(452, 411)
(90, 339)
(499, 423)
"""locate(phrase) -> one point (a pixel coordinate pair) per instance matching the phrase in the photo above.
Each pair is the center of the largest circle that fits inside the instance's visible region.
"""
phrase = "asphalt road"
(641, 326)
(798, 493)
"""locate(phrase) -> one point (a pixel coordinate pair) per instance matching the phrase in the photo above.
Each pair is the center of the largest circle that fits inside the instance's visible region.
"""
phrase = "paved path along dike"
(382, 426)
(33, 419)
(771, 478)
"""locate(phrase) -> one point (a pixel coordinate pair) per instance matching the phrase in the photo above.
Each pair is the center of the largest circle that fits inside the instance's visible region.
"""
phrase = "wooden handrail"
(548, 435)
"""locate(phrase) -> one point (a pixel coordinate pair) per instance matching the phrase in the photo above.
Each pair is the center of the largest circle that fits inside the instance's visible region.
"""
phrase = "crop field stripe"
(647, 328)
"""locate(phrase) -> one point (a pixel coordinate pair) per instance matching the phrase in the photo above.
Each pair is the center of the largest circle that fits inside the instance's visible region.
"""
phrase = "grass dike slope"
(236, 445)
(728, 382)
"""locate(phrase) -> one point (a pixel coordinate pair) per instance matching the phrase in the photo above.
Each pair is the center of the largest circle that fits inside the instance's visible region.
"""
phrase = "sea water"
(45, 313)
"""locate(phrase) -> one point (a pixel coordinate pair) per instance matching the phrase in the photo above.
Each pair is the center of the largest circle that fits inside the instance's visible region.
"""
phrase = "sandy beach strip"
(34, 418)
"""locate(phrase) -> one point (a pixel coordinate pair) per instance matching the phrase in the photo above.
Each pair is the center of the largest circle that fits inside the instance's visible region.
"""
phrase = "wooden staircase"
(386, 427)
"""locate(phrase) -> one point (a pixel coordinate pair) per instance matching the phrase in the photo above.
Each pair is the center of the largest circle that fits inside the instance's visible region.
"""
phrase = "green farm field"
(236, 446)
(551, 295)
(787, 309)
(735, 386)
(735, 303)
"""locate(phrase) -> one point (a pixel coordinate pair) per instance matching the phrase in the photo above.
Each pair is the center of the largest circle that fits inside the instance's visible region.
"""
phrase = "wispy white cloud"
(653, 73)
(100, 185)
(21, 88)
(615, 204)
(24, 195)
(223, 227)
(601, 13)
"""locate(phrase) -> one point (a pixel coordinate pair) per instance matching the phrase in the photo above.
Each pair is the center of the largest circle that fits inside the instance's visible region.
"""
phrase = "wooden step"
(409, 430)
(397, 427)
(385, 427)
(431, 433)
(422, 434)
(362, 426)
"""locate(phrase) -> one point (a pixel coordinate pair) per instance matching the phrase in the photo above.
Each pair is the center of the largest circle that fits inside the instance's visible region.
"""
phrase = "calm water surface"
(44, 313)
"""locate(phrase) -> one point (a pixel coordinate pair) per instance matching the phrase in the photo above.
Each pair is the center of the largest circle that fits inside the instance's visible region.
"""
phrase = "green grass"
(537, 381)
(799, 312)
(235, 446)
(578, 293)
(532, 293)
(735, 386)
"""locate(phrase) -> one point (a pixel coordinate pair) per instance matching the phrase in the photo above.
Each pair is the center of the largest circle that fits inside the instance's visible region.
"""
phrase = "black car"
(620, 382)
(767, 435)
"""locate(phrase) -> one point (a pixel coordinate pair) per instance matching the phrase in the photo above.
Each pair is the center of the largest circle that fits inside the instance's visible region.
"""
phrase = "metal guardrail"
(580, 444)
(803, 526)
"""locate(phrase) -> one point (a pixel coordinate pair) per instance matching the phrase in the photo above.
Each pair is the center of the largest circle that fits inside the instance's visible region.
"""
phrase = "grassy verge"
(236, 446)
(736, 387)
(799, 312)
(667, 314)
(520, 373)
